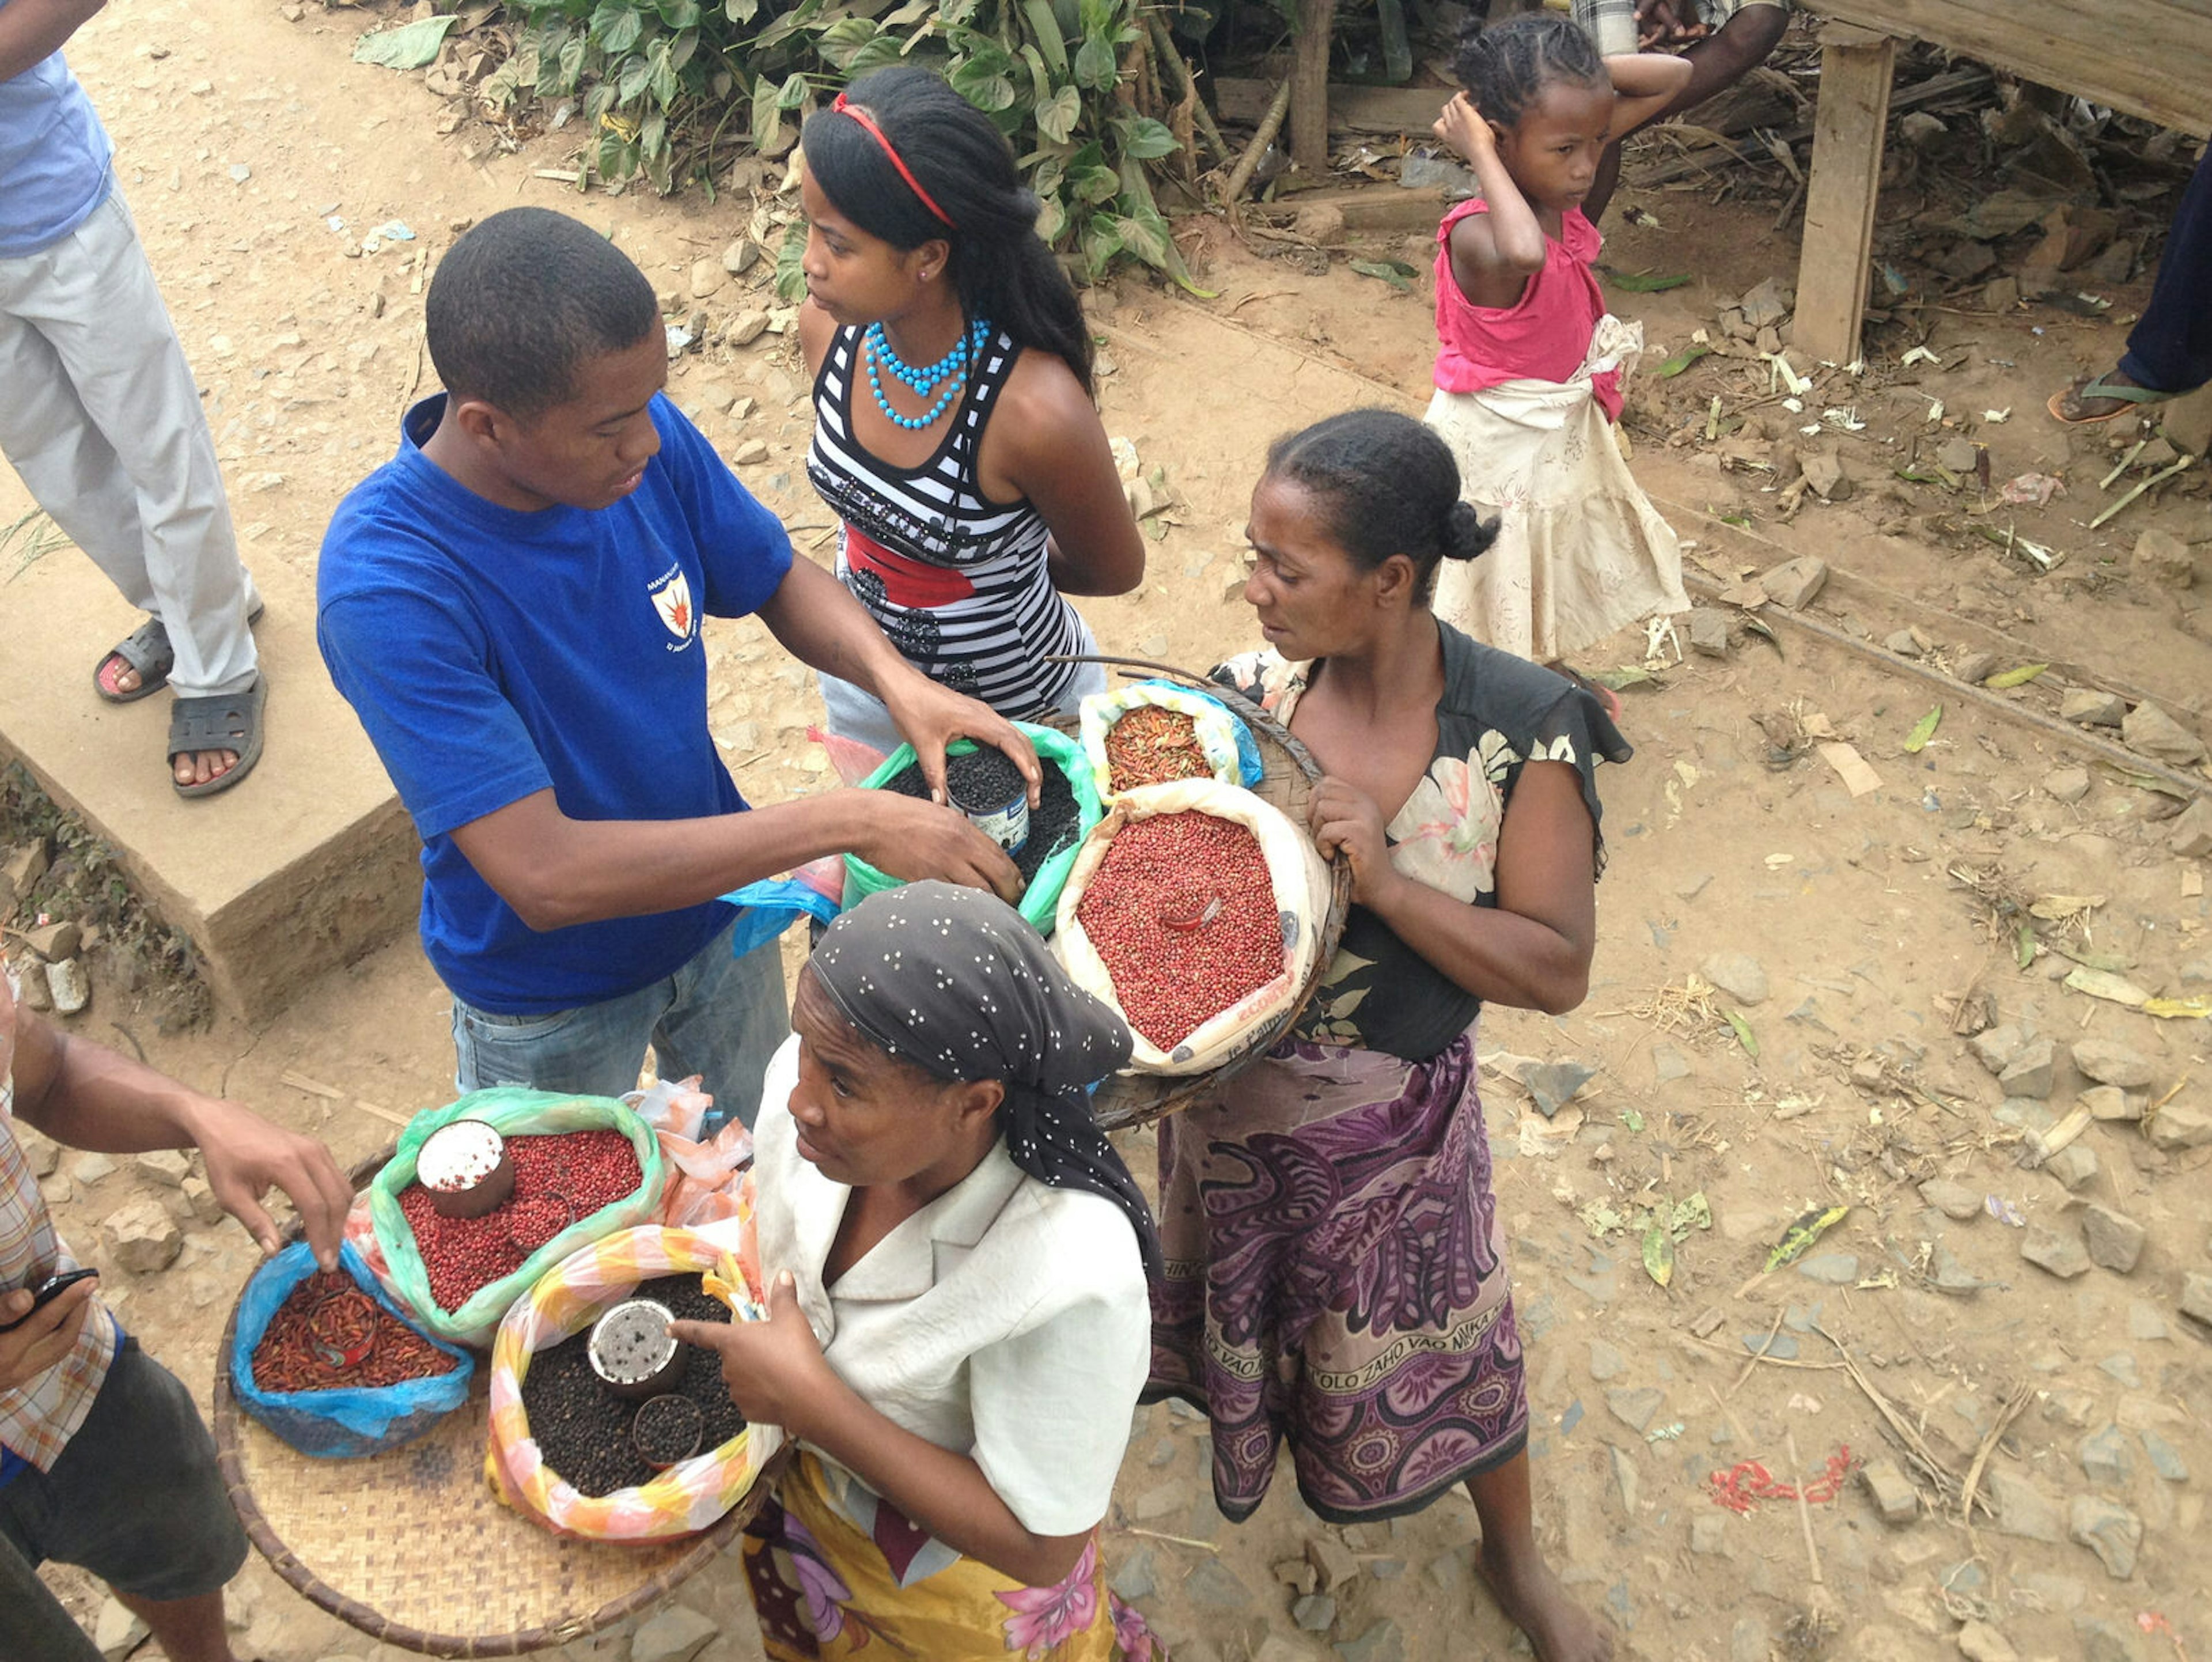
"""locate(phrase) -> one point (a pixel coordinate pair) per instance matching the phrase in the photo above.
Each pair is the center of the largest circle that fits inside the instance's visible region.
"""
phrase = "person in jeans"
(100, 416)
(2170, 349)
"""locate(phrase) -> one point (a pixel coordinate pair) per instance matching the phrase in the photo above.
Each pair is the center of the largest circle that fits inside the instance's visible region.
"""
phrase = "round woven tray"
(1288, 774)
(412, 1547)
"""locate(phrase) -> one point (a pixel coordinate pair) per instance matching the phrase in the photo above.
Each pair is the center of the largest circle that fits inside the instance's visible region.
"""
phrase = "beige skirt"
(1580, 551)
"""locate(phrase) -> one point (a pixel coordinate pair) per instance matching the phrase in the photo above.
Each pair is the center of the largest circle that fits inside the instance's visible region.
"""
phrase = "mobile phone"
(45, 1293)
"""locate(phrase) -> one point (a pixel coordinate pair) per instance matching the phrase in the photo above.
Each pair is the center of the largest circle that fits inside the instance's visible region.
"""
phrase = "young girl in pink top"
(1528, 360)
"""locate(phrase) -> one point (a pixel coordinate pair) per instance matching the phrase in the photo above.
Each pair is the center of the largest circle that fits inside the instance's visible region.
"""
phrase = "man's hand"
(245, 1155)
(1659, 23)
(930, 717)
(774, 1369)
(46, 1338)
(915, 840)
(1465, 128)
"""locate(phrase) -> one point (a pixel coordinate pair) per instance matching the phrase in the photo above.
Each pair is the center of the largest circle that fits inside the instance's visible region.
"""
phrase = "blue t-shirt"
(491, 654)
(53, 157)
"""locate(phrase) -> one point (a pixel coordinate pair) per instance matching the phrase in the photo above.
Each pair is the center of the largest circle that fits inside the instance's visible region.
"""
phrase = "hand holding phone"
(41, 1324)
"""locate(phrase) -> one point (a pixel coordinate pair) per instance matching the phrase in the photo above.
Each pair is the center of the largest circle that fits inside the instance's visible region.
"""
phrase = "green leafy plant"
(662, 82)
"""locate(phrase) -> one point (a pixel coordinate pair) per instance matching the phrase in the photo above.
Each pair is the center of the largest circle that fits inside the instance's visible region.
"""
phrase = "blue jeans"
(718, 1016)
(2171, 348)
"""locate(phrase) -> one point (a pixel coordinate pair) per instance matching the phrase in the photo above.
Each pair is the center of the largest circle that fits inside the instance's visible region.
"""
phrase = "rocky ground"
(1881, 936)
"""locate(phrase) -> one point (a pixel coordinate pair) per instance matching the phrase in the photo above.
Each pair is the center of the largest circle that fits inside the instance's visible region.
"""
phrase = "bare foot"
(198, 767)
(2072, 406)
(1534, 1601)
(117, 677)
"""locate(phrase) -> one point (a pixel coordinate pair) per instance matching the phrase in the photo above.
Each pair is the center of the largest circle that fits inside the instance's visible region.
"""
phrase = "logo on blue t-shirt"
(671, 598)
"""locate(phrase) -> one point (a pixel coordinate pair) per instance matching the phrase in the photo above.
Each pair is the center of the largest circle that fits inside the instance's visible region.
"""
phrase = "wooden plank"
(2147, 57)
(1410, 110)
(1310, 86)
(1840, 199)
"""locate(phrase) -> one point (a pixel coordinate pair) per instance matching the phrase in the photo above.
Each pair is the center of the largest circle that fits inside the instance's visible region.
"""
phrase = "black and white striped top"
(958, 582)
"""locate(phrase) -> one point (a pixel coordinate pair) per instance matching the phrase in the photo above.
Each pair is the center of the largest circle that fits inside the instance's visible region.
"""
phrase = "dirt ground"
(1857, 941)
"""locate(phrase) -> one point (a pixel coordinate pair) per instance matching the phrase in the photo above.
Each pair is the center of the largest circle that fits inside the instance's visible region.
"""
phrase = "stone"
(2057, 1251)
(1381, 1643)
(2168, 1464)
(2196, 1297)
(1214, 1586)
(2023, 1509)
(1953, 1200)
(1709, 631)
(2121, 1365)
(24, 865)
(1832, 483)
(1553, 1084)
(2109, 1529)
(676, 1634)
(1332, 1561)
(1767, 303)
(2189, 836)
(2091, 707)
(706, 276)
(200, 1197)
(1135, 1578)
(1315, 1612)
(1996, 1047)
(2115, 1240)
(2180, 1125)
(1636, 1409)
(2073, 1167)
(1980, 1642)
(53, 942)
(116, 1631)
(1606, 1362)
(2106, 1457)
(2051, 1592)
(2030, 1072)
(166, 1168)
(1626, 1479)
(1297, 1575)
(68, 987)
(1831, 1269)
(2163, 558)
(2077, 1409)
(89, 1169)
(738, 258)
(143, 1237)
(2110, 1063)
(2150, 731)
(2109, 1102)
(1739, 975)
(1749, 1641)
(1157, 1501)
(2066, 784)
(1793, 584)
(746, 328)
(1894, 1496)
(1274, 1648)
(1975, 668)
(1708, 1536)
(1903, 642)
(1958, 455)
(751, 453)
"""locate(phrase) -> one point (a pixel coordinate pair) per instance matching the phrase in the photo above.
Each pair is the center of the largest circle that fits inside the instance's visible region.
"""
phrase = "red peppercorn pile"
(580, 1172)
(1146, 912)
(1150, 745)
(289, 1357)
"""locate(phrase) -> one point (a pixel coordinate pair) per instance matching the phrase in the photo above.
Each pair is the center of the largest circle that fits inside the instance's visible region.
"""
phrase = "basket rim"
(706, 1546)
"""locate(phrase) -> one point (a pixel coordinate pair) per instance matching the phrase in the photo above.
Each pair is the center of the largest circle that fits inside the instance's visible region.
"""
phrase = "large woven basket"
(1288, 775)
(412, 1547)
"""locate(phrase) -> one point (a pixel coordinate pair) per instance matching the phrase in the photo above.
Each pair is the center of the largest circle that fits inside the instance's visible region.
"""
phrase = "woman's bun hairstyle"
(1383, 484)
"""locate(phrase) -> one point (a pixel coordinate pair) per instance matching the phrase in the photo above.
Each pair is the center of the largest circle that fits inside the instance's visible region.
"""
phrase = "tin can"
(1007, 823)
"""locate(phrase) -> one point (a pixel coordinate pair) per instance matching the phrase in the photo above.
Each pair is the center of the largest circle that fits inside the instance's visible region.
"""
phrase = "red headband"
(868, 122)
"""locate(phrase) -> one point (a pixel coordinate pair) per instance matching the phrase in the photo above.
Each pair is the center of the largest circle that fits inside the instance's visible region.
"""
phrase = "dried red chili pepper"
(1151, 745)
(327, 1313)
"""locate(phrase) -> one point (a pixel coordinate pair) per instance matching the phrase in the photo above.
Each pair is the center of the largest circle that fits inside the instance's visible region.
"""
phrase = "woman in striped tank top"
(954, 435)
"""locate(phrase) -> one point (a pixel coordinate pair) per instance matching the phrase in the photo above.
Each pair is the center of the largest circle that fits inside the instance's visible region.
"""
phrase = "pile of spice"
(1151, 745)
(583, 1429)
(566, 1175)
(1182, 913)
(984, 774)
(328, 1334)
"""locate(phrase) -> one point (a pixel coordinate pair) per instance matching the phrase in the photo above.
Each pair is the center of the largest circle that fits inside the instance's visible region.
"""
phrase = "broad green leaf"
(1923, 731)
(1101, 243)
(1395, 272)
(740, 12)
(1094, 66)
(1744, 1036)
(636, 73)
(1682, 359)
(664, 87)
(982, 80)
(790, 279)
(572, 64)
(679, 13)
(1146, 138)
(409, 46)
(1797, 1239)
(1057, 116)
(1045, 30)
(842, 41)
(1642, 282)
(1094, 183)
(1659, 1253)
(2023, 945)
(767, 113)
(615, 26)
(1040, 77)
(1630, 1118)
(2018, 677)
(793, 92)
(1052, 219)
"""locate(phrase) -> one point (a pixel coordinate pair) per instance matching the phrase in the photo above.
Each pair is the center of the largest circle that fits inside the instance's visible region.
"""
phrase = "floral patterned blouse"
(1499, 713)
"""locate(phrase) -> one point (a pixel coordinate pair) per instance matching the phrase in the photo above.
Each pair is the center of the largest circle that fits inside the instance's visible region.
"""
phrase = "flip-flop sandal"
(228, 722)
(147, 649)
(2132, 400)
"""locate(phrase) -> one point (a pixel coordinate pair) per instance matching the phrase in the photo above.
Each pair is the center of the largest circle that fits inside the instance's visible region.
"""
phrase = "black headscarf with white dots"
(954, 980)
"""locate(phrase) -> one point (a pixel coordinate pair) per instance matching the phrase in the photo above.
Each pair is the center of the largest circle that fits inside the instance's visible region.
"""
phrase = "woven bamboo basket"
(412, 1547)
(1288, 775)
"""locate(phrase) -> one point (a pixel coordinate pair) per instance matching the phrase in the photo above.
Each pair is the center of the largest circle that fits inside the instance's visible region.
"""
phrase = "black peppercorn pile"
(991, 777)
(582, 1429)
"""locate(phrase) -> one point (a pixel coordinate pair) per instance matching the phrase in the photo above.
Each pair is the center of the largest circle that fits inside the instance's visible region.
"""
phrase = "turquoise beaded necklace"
(951, 368)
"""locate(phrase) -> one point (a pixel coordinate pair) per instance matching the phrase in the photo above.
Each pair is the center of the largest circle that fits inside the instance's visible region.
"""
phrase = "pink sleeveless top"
(1542, 336)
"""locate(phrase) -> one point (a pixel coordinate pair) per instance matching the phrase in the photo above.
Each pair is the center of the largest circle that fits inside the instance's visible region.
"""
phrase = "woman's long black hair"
(1000, 267)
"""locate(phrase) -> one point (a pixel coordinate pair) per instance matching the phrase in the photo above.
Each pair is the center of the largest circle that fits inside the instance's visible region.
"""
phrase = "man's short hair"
(523, 301)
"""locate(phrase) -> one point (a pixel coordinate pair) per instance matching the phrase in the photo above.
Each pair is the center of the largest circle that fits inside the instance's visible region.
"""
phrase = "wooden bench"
(2145, 57)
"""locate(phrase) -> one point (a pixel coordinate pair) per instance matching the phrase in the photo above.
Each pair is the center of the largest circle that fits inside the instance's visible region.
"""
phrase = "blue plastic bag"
(337, 1424)
(773, 906)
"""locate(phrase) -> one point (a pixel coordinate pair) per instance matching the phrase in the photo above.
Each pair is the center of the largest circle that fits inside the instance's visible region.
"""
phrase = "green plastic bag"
(1041, 900)
(511, 1111)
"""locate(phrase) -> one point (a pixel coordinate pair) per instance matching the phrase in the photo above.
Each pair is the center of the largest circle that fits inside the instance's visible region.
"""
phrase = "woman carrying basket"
(955, 433)
(1335, 1271)
(957, 1318)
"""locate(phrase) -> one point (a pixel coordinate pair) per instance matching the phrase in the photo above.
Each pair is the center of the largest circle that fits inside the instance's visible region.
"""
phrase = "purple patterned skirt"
(1336, 1276)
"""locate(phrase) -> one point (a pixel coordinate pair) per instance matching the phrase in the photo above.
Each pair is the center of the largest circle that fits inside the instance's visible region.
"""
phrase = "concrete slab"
(303, 866)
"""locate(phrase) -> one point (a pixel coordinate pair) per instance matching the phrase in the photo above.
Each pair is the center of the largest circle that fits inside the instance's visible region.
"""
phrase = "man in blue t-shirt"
(100, 414)
(512, 606)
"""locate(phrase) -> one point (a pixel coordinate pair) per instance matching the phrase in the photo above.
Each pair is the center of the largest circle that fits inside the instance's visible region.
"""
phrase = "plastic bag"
(1040, 900)
(686, 1497)
(1230, 752)
(339, 1424)
(1300, 878)
(511, 1111)
(703, 1174)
